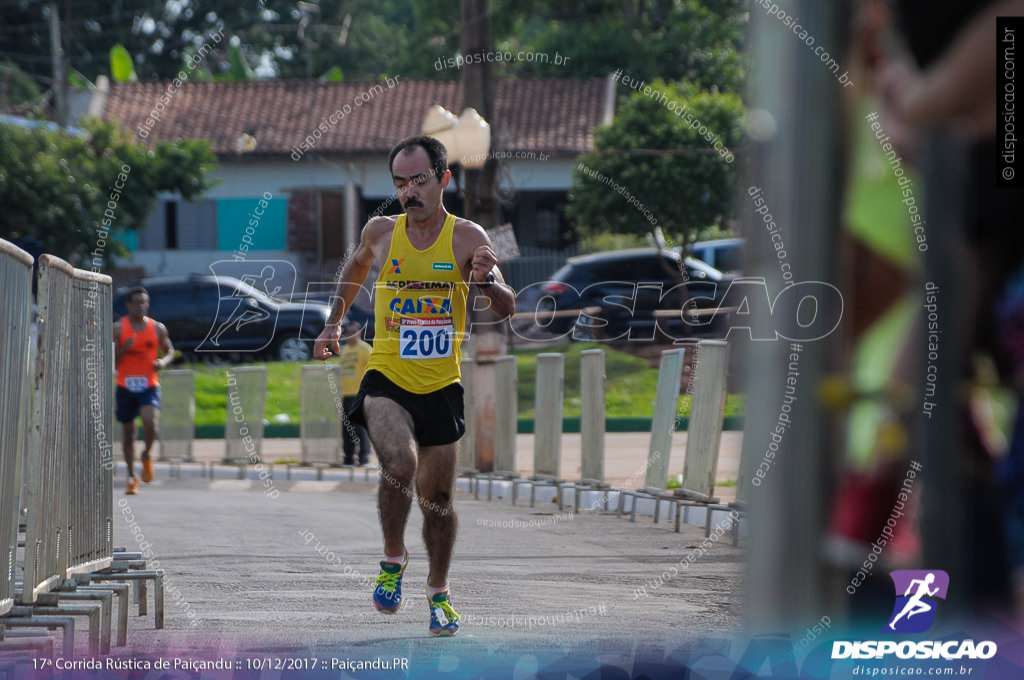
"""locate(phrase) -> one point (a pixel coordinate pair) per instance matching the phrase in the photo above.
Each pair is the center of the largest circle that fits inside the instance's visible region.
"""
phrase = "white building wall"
(252, 179)
(245, 180)
(160, 262)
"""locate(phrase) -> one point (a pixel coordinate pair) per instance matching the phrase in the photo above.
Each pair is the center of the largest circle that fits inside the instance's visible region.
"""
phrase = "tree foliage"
(697, 41)
(57, 187)
(693, 40)
(656, 166)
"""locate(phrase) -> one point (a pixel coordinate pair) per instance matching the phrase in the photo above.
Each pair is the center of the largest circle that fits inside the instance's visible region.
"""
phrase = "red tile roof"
(553, 116)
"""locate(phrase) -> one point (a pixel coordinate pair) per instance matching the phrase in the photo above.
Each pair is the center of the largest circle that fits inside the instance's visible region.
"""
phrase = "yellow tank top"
(420, 312)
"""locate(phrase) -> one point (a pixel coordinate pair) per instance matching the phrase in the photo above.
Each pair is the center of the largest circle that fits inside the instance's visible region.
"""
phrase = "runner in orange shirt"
(137, 339)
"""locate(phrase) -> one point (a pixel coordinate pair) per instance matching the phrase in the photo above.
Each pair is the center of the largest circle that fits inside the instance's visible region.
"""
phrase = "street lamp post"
(468, 140)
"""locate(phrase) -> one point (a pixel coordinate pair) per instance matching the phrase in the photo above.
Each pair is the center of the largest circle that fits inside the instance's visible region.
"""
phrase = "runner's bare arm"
(120, 349)
(164, 338)
(484, 261)
(353, 274)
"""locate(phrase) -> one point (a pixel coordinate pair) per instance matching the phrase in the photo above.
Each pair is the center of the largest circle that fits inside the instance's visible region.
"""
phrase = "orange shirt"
(135, 370)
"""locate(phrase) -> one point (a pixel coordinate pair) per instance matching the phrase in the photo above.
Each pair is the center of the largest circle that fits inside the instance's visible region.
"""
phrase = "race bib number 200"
(425, 338)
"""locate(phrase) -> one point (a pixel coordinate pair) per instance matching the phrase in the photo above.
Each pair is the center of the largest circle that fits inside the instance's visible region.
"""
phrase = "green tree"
(16, 87)
(695, 40)
(62, 189)
(657, 164)
(699, 41)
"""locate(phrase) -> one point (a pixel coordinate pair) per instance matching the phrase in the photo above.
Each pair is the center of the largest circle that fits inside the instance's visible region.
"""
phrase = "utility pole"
(57, 56)
(478, 93)
(482, 207)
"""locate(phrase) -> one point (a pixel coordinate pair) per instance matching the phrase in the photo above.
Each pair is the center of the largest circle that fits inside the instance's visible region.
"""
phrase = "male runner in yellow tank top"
(411, 399)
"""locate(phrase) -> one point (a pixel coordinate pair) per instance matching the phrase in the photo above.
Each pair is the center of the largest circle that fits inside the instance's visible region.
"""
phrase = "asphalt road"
(251, 572)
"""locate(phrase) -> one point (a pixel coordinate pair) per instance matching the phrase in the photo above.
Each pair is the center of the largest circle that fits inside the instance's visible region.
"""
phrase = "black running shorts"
(438, 417)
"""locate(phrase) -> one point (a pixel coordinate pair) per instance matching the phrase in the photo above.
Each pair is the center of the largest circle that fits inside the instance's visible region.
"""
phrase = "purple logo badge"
(916, 594)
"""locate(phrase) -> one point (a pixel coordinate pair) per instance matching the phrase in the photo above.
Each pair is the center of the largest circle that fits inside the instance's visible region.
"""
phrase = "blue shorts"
(127, 404)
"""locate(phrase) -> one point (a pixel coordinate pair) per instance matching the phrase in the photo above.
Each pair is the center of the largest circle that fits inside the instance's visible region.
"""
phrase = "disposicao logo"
(914, 611)
(917, 592)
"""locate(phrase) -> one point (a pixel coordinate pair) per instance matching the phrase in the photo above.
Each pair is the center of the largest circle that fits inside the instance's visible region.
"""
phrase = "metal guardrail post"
(45, 484)
(21, 617)
(15, 334)
(88, 464)
(121, 590)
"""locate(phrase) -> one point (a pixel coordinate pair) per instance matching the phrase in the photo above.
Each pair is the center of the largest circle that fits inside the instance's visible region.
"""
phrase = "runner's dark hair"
(436, 152)
(135, 291)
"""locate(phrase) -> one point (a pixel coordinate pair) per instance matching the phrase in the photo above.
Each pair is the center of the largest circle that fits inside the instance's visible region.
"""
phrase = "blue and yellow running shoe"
(444, 621)
(387, 596)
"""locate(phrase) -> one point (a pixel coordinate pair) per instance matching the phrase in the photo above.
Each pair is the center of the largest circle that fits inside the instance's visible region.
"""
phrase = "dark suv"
(224, 316)
(631, 295)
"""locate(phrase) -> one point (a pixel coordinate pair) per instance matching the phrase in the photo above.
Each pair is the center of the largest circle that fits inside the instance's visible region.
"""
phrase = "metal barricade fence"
(243, 430)
(88, 462)
(15, 334)
(320, 405)
(45, 485)
(177, 414)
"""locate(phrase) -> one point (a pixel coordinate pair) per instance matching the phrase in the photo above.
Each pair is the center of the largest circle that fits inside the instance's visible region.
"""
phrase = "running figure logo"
(243, 312)
(240, 303)
(914, 611)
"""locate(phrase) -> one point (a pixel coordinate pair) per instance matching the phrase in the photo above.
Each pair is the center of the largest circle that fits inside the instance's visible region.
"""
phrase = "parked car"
(221, 316)
(617, 296)
(725, 255)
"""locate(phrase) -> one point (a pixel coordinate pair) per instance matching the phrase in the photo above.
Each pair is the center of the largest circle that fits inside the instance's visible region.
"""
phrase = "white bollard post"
(467, 445)
(704, 434)
(592, 409)
(663, 422)
(505, 414)
(547, 432)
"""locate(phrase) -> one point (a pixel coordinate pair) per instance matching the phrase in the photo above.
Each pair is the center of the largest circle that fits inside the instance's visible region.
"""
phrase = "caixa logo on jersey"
(918, 593)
